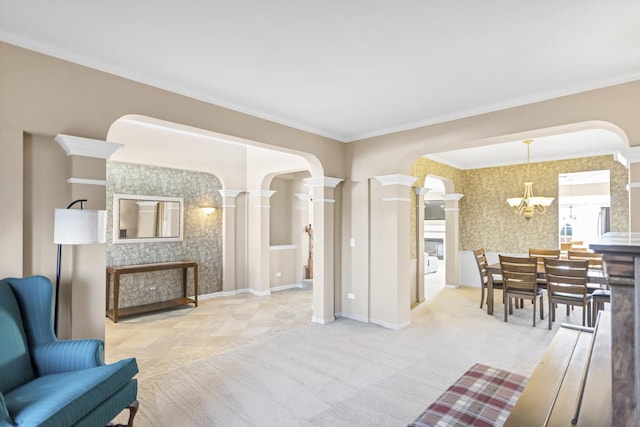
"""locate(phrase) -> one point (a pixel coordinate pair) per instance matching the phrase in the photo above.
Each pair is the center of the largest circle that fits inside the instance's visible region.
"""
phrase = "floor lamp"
(75, 227)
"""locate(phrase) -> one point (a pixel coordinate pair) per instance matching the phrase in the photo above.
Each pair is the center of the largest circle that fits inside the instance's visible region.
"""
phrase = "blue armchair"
(46, 382)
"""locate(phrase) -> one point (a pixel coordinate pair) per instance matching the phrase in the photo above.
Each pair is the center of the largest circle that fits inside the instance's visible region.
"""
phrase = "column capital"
(261, 193)
(627, 157)
(453, 196)
(322, 181)
(302, 197)
(86, 147)
(396, 179)
(229, 193)
(422, 191)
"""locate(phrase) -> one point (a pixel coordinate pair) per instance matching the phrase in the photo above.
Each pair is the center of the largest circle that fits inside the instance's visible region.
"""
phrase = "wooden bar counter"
(117, 271)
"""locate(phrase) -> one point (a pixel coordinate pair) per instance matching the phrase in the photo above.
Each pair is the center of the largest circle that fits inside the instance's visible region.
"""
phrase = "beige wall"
(46, 96)
(608, 108)
(281, 212)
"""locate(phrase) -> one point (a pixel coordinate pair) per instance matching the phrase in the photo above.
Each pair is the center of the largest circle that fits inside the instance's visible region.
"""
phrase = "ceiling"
(344, 69)
(585, 143)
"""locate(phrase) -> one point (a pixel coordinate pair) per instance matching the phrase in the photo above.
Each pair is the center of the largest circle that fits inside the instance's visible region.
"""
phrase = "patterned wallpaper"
(487, 221)
(202, 233)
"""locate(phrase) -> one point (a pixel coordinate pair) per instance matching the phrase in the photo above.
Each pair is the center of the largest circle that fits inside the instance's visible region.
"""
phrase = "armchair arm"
(69, 355)
(5, 418)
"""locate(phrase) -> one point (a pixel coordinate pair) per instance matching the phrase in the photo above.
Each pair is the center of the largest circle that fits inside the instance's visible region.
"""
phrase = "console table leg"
(116, 295)
(108, 293)
(195, 284)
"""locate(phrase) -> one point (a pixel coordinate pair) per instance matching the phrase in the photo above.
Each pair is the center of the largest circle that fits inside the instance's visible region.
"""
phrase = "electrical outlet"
(351, 295)
(278, 274)
(353, 243)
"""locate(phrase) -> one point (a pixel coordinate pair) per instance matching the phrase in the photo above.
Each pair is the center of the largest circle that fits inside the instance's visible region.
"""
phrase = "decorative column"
(390, 258)
(229, 239)
(622, 260)
(300, 238)
(419, 292)
(82, 291)
(452, 262)
(258, 241)
(631, 160)
(323, 191)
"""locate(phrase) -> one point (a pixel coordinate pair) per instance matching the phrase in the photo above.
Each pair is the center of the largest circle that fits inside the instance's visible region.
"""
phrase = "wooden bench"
(572, 383)
(482, 397)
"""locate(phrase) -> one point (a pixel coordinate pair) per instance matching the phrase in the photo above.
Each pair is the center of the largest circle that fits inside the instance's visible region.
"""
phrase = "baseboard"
(236, 292)
(315, 319)
(394, 326)
(285, 287)
(353, 317)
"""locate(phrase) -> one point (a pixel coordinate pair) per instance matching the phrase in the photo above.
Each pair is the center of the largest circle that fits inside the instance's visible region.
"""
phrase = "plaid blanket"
(482, 397)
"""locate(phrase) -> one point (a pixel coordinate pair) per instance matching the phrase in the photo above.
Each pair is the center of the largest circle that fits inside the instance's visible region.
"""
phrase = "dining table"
(597, 278)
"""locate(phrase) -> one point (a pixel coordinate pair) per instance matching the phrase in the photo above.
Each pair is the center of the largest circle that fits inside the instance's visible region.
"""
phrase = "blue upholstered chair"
(46, 382)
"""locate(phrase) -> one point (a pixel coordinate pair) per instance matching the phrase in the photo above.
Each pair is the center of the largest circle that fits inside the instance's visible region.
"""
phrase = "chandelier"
(529, 204)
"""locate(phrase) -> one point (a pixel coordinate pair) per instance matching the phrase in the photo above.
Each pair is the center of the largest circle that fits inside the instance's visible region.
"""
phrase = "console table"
(117, 271)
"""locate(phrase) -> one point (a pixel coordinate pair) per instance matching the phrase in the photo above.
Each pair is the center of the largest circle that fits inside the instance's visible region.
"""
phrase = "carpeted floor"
(346, 373)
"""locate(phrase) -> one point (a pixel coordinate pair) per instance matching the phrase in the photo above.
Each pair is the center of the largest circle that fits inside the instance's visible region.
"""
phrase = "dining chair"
(540, 255)
(481, 261)
(598, 298)
(519, 281)
(595, 263)
(567, 284)
(595, 259)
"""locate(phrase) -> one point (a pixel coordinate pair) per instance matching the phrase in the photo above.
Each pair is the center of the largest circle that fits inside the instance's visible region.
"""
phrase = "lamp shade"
(79, 227)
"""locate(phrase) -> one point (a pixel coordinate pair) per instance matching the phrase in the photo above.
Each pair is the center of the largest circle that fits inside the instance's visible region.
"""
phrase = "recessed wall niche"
(202, 240)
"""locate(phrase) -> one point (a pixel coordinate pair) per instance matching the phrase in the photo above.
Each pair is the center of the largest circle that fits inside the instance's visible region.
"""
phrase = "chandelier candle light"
(529, 204)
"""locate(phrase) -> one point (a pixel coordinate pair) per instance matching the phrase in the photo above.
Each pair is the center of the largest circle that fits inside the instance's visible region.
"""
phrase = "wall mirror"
(139, 219)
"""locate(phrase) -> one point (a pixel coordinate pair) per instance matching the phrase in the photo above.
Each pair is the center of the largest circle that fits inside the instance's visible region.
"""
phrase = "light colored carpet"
(346, 373)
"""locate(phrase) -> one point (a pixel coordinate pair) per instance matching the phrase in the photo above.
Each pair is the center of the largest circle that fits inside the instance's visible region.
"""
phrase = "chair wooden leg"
(482, 296)
(541, 308)
(506, 308)
(133, 410)
(534, 311)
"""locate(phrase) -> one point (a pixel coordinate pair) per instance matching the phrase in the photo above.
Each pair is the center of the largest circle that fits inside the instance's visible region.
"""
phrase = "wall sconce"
(207, 209)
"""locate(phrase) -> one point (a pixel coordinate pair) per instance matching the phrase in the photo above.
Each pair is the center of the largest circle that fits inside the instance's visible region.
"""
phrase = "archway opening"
(434, 236)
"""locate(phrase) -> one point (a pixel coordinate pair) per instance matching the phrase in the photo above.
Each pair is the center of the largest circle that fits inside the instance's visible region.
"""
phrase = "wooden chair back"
(565, 246)
(519, 274)
(567, 277)
(595, 259)
(481, 261)
(541, 254)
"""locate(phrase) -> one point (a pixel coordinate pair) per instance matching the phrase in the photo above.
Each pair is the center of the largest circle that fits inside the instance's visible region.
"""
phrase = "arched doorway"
(245, 169)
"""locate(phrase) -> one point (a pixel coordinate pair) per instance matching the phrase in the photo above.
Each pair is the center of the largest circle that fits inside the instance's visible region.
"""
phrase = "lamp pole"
(59, 261)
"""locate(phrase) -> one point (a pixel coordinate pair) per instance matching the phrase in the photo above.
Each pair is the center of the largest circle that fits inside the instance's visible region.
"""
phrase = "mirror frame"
(116, 218)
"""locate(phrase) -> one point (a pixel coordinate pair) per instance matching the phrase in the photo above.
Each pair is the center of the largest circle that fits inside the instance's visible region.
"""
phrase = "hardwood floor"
(172, 337)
